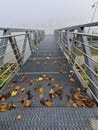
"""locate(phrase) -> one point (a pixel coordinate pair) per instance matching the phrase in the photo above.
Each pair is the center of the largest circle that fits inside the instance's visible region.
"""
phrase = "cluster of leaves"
(8, 67)
(79, 98)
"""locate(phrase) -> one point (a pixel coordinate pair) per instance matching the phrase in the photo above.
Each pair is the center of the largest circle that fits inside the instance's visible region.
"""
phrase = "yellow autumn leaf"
(19, 117)
(23, 90)
(40, 78)
(41, 90)
(14, 93)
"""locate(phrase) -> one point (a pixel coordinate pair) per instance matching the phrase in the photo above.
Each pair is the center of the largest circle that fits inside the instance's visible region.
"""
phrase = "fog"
(45, 14)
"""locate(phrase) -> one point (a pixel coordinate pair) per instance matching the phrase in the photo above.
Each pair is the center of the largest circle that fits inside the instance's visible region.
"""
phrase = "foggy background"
(45, 14)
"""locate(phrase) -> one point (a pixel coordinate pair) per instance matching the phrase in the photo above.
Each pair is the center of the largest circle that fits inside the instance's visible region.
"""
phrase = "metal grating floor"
(37, 117)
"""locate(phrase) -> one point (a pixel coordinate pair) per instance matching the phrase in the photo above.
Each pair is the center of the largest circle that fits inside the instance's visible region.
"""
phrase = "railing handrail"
(19, 29)
(77, 26)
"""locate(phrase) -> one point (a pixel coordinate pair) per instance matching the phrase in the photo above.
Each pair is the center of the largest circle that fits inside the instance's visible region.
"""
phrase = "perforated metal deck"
(38, 117)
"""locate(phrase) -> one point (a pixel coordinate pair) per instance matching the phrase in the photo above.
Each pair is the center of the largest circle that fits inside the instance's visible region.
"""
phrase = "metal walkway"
(47, 61)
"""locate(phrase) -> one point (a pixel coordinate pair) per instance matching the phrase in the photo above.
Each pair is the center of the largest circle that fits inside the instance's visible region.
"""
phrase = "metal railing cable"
(87, 45)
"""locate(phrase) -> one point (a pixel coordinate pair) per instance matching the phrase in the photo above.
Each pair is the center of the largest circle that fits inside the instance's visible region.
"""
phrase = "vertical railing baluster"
(16, 50)
(24, 46)
(4, 43)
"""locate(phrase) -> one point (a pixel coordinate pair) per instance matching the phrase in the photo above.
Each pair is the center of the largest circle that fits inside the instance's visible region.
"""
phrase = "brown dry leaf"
(70, 101)
(48, 103)
(14, 93)
(83, 89)
(44, 75)
(77, 95)
(51, 91)
(52, 96)
(18, 88)
(56, 85)
(36, 80)
(41, 96)
(36, 89)
(30, 81)
(27, 103)
(61, 71)
(72, 79)
(23, 90)
(2, 99)
(10, 106)
(22, 100)
(46, 78)
(19, 117)
(79, 103)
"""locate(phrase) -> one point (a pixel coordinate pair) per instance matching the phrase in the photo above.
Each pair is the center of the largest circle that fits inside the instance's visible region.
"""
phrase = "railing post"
(24, 45)
(3, 42)
(68, 43)
(90, 63)
(31, 44)
(16, 50)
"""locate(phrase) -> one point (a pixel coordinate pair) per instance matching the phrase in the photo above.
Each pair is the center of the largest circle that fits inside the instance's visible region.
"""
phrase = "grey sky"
(45, 14)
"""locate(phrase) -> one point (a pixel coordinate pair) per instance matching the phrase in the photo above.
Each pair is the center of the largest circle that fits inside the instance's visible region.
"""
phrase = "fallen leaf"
(27, 103)
(10, 105)
(14, 93)
(71, 71)
(17, 88)
(83, 89)
(34, 59)
(48, 58)
(72, 79)
(44, 75)
(48, 103)
(19, 117)
(52, 79)
(37, 62)
(41, 96)
(51, 91)
(42, 101)
(23, 90)
(22, 100)
(40, 79)
(77, 95)
(3, 107)
(36, 89)
(61, 71)
(41, 90)
(30, 81)
(56, 85)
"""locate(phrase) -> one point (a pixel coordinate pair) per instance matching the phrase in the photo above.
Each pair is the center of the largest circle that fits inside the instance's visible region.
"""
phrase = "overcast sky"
(45, 14)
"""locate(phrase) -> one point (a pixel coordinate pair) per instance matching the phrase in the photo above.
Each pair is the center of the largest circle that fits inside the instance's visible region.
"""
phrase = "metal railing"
(16, 45)
(82, 56)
